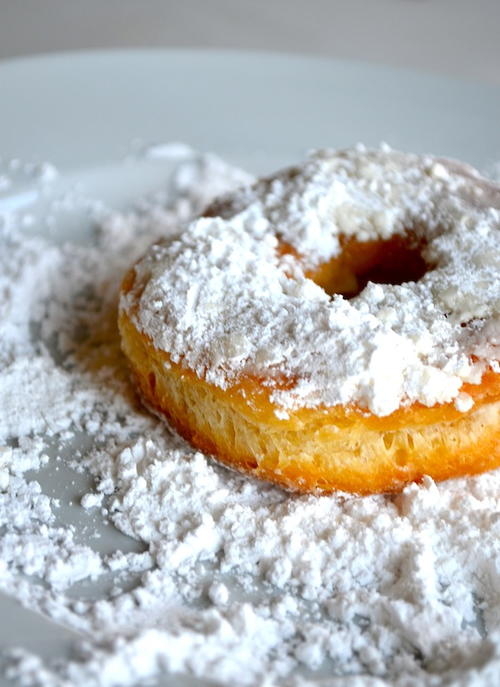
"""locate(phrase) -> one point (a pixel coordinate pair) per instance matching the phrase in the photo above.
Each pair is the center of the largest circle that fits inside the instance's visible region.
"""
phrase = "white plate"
(85, 112)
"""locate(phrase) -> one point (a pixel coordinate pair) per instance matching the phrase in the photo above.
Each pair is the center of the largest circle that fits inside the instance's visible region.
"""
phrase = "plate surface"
(83, 110)
(85, 113)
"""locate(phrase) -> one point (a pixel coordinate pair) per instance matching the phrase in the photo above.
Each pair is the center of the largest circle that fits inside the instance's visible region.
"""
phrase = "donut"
(332, 327)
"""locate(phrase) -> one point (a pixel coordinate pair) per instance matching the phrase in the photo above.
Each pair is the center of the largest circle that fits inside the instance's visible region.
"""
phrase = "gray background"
(455, 37)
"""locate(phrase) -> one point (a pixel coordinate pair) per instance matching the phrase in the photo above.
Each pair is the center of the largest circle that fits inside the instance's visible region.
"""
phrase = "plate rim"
(164, 52)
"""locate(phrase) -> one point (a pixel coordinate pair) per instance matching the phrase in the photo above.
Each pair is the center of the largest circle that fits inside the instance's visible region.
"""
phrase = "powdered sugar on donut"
(220, 298)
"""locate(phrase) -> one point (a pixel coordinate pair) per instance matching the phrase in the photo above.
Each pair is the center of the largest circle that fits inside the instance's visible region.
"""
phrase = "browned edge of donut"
(315, 450)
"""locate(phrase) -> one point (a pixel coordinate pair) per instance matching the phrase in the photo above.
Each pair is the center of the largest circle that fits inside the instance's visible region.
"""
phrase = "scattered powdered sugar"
(169, 151)
(238, 582)
(220, 297)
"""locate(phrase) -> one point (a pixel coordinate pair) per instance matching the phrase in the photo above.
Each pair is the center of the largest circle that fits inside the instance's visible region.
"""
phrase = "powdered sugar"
(220, 297)
(238, 582)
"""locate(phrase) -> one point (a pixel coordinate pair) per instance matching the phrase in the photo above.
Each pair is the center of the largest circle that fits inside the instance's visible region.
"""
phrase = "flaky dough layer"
(317, 449)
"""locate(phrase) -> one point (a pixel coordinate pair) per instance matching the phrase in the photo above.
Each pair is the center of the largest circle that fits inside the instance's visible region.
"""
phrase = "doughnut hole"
(395, 261)
(392, 261)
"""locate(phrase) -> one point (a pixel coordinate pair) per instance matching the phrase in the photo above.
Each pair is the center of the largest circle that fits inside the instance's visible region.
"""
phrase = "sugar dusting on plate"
(236, 582)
